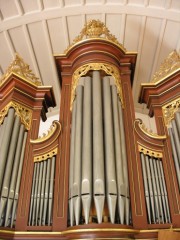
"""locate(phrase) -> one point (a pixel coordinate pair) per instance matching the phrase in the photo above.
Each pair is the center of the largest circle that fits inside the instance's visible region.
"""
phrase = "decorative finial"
(20, 68)
(171, 64)
(95, 29)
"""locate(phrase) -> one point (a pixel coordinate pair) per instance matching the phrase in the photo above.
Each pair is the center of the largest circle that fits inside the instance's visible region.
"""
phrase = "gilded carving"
(169, 111)
(171, 64)
(45, 156)
(149, 132)
(149, 152)
(21, 69)
(55, 125)
(109, 69)
(95, 29)
(24, 113)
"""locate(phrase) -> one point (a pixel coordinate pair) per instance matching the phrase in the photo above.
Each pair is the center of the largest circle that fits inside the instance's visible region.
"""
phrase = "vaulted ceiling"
(38, 29)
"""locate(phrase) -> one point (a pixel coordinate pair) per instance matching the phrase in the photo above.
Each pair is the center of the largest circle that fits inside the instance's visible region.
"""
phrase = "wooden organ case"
(98, 173)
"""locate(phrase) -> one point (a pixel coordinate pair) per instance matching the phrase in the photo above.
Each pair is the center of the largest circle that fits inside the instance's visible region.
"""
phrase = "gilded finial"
(170, 65)
(95, 29)
(21, 69)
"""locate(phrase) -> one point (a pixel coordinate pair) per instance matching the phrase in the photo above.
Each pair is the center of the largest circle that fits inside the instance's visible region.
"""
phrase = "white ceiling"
(37, 29)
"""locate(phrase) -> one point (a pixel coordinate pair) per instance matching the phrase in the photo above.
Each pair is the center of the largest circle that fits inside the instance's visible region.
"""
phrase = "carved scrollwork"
(169, 110)
(109, 69)
(20, 68)
(95, 29)
(24, 113)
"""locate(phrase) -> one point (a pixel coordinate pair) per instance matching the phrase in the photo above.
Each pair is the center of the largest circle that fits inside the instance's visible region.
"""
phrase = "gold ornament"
(170, 65)
(95, 29)
(24, 113)
(22, 70)
(169, 111)
(45, 156)
(149, 152)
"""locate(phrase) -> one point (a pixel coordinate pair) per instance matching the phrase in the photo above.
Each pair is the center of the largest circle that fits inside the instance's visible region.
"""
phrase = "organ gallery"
(98, 173)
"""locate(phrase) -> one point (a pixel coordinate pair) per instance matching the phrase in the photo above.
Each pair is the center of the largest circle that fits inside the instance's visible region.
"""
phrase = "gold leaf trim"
(45, 156)
(109, 69)
(149, 152)
(55, 125)
(21, 69)
(169, 111)
(95, 29)
(24, 113)
(170, 65)
(149, 132)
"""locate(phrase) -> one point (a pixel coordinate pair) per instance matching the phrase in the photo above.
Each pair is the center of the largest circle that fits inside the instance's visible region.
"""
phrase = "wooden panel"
(9, 9)
(114, 22)
(29, 6)
(74, 31)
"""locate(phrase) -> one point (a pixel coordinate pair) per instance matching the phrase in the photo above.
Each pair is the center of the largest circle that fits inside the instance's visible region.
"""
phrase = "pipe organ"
(98, 173)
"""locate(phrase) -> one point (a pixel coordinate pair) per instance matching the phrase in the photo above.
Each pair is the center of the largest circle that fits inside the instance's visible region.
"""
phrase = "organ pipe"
(98, 149)
(86, 188)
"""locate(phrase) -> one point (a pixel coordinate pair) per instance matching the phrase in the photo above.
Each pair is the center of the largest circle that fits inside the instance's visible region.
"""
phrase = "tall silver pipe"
(71, 167)
(18, 180)
(42, 192)
(9, 165)
(158, 191)
(35, 195)
(119, 162)
(146, 187)
(176, 139)
(150, 188)
(5, 143)
(98, 150)
(2, 131)
(38, 192)
(14, 174)
(78, 155)
(44, 219)
(86, 187)
(177, 120)
(51, 189)
(125, 168)
(32, 194)
(165, 190)
(162, 191)
(111, 185)
(157, 214)
(175, 156)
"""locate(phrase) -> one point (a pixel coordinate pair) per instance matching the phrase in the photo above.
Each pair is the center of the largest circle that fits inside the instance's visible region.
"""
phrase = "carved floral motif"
(169, 111)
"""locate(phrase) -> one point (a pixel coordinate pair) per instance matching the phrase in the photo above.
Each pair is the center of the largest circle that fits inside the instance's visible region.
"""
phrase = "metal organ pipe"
(98, 149)
(86, 187)
(111, 186)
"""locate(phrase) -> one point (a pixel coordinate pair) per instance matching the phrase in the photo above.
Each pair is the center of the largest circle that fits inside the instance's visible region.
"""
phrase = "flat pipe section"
(150, 188)
(98, 149)
(125, 168)
(118, 157)
(158, 191)
(175, 155)
(146, 189)
(71, 167)
(78, 155)
(165, 190)
(157, 213)
(18, 180)
(4, 148)
(9, 165)
(111, 185)
(51, 190)
(14, 174)
(86, 187)
(42, 192)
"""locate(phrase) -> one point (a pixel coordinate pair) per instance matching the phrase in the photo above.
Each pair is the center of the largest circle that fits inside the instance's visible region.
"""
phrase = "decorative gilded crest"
(21, 69)
(95, 29)
(149, 152)
(24, 113)
(170, 65)
(45, 156)
(169, 111)
(149, 132)
(109, 69)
